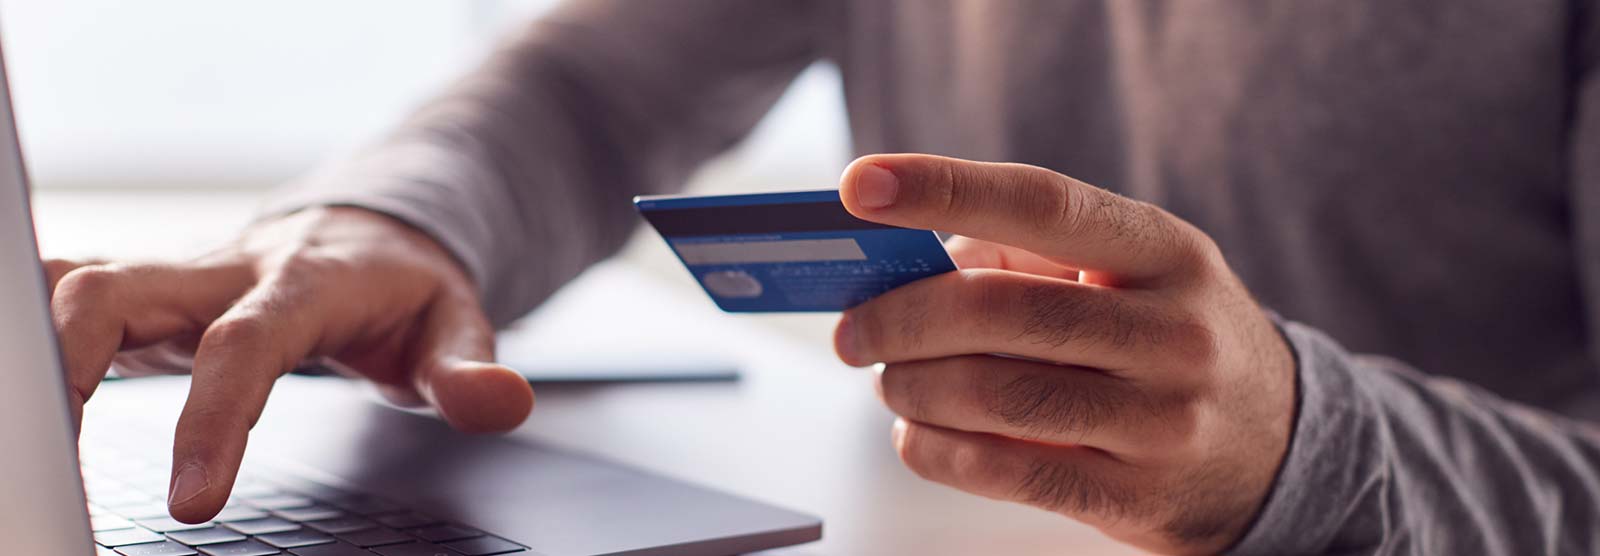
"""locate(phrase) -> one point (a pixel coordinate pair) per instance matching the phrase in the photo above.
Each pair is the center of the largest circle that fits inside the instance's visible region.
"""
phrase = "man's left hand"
(1094, 357)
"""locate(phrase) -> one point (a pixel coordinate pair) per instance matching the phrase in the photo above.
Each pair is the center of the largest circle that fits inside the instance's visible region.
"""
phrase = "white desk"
(800, 429)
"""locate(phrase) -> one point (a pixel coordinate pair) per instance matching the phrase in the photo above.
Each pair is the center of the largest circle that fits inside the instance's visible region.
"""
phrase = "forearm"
(489, 170)
(1387, 461)
(525, 167)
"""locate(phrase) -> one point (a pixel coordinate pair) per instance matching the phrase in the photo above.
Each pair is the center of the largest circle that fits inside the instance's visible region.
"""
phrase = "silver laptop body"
(44, 510)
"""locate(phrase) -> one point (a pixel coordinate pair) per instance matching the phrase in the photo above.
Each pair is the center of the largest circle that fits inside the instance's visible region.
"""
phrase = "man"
(1418, 180)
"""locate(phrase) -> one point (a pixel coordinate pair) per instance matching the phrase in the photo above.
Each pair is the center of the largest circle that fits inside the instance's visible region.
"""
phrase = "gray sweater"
(1418, 180)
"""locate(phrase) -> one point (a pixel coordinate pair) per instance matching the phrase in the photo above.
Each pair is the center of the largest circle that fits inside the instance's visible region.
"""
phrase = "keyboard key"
(405, 520)
(291, 539)
(484, 546)
(167, 524)
(375, 537)
(107, 522)
(268, 515)
(163, 548)
(241, 548)
(262, 526)
(367, 505)
(154, 485)
(415, 549)
(140, 511)
(238, 513)
(309, 513)
(120, 497)
(103, 551)
(120, 537)
(209, 535)
(322, 492)
(336, 549)
(255, 491)
(346, 524)
(442, 533)
(279, 502)
(96, 485)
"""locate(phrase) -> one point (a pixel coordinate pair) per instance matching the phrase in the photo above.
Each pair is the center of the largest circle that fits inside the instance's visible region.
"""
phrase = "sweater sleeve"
(524, 169)
(1385, 460)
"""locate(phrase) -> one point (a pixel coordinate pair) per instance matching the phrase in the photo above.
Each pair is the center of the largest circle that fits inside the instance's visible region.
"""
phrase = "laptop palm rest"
(558, 502)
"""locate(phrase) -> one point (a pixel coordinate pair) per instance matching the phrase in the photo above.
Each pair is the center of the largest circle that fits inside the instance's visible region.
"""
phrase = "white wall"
(202, 93)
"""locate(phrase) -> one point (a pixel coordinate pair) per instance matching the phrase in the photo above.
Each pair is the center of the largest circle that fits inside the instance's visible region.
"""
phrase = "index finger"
(1062, 219)
(239, 358)
(101, 309)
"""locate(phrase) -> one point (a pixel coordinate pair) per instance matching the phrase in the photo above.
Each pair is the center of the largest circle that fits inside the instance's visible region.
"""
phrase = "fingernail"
(876, 186)
(846, 340)
(191, 481)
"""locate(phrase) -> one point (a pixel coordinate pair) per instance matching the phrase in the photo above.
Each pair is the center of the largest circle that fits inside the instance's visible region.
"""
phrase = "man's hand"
(1094, 357)
(375, 294)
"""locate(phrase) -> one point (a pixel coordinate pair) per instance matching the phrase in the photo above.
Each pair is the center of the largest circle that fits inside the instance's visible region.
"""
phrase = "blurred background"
(153, 129)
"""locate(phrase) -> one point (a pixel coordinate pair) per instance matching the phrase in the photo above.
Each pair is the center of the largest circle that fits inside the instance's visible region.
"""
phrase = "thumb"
(456, 373)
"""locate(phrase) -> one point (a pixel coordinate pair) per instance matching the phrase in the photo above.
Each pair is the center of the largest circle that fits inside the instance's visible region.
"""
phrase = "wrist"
(1329, 458)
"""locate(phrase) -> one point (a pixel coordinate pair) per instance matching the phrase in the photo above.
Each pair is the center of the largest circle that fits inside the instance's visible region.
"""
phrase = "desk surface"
(800, 429)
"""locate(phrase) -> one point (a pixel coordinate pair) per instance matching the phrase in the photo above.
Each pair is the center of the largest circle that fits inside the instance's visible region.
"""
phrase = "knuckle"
(238, 330)
(1184, 333)
(989, 296)
(305, 266)
(1045, 200)
(865, 330)
(970, 463)
(280, 297)
(1195, 342)
(900, 323)
(1204, 246)
(1072, 212)
(915, 456)
(59, 267)
(1175, 423)
(949, 196)
(90, 283)
(904, 391)
(945, 462)
(1197, 253)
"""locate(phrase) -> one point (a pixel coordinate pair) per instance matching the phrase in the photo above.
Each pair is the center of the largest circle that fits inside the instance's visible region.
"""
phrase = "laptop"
(328, 473)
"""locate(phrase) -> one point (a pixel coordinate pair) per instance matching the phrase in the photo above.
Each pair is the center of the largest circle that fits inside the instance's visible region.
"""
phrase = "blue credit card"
(790, 252)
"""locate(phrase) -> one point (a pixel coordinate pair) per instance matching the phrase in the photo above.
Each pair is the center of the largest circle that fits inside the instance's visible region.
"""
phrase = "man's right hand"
(377, 295)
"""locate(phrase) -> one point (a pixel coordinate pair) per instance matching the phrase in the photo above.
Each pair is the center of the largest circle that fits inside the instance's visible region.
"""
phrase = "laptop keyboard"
(267, 515)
